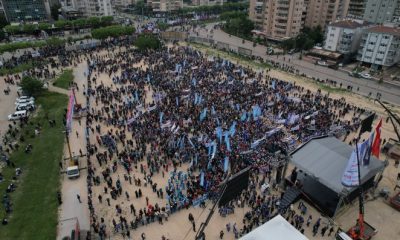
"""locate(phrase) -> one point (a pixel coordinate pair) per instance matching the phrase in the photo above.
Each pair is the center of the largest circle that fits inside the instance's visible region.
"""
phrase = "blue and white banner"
(232, 129)
(350, 175)
(227, 141)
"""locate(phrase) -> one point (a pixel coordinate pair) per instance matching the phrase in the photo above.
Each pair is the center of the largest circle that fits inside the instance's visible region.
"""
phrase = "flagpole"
(360, 198)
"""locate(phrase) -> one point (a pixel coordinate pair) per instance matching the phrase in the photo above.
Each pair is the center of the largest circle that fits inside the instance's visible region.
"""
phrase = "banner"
(226, 164)
(70, 111)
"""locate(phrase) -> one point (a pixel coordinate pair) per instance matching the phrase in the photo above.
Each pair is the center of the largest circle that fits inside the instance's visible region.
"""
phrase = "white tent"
(275, 229)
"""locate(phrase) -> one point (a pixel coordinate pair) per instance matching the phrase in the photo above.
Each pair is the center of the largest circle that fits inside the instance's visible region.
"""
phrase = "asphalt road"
(389, 92)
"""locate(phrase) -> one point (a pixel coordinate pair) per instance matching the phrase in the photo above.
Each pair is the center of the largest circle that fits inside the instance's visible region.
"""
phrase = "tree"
(32, 86)
(54, 11)
(147, 41)
(112, 31)
(241, 26)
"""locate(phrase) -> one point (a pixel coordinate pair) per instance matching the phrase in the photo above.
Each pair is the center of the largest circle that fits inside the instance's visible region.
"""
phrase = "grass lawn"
(34, 201)
(20, 68)
(65, 79)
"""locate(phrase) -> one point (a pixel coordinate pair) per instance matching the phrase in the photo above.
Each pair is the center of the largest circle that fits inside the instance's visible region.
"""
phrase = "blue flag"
(232, 129)
(202, 179)
(161, 116)
(227, 142)
(243, 117)
(226, 164)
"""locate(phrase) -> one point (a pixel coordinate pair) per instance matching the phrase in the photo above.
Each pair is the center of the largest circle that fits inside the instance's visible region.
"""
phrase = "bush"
(147, 41)
(32, 86)
(112, 31)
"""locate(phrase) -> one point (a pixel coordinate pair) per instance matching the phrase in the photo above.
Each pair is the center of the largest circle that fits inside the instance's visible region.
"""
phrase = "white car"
(25, 106)
(26, 101)
(365, 75)
(25, 98)
(322, 63)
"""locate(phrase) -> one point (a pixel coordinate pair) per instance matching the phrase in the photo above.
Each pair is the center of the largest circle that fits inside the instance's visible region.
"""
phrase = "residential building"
(277, 19)
(381, 11)
(89, 8)
(322, 12)
(165, 5)
(122, 3)
(207, 2)
(356, 9)
(380, 47)
(26, 10)
(344, 36)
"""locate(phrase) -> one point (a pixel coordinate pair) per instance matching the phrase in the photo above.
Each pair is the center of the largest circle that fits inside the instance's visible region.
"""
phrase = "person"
(143, 236)
(221, 234)
(194, 226)
(191, 218)
(79, 198)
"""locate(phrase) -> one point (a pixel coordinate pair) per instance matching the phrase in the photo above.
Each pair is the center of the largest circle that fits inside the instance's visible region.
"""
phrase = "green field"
(34, 201)
(65, 79)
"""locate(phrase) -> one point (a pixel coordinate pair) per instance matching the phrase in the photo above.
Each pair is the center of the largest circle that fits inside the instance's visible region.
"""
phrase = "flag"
(203, 114)
(367, 155)
(226, 164)
(177, 101)
(375, 149)
(228, 144)
(350, 175)
(232, 129)
(273, 84)
(202, 179)
(218, 132)
(243, 117)
(366, 124)
(161, 116)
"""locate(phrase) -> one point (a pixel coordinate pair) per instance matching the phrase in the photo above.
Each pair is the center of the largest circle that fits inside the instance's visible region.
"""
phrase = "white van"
(73, 172)
(17, 115)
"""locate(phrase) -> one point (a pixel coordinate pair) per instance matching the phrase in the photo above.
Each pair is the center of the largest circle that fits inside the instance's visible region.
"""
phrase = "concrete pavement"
(389, 92)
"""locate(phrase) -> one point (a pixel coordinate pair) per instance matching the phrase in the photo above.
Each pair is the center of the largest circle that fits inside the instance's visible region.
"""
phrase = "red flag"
(377, 141)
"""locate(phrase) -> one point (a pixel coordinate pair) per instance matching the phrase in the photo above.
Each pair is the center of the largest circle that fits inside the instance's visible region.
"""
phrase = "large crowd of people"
(176, 107)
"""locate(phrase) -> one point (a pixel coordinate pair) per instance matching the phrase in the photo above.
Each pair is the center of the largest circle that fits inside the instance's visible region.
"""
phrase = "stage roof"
(275, 229)
(326, 159)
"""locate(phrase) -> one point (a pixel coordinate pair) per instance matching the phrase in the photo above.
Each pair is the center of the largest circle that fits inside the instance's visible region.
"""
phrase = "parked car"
(354, 74)
(322, 63)
(17, 115)
(25, 98)
(25, 106)
(24, 101)
(365, 75)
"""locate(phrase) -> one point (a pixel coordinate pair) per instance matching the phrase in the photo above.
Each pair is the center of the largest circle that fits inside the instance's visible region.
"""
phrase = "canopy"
(325, 159)
(275, 229)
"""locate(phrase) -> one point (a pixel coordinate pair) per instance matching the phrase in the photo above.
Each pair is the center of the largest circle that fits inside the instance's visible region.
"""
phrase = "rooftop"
(351, 24)
(385, 29)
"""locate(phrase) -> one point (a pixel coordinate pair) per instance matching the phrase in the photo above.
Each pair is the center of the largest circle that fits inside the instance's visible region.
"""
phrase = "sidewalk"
(71, 209)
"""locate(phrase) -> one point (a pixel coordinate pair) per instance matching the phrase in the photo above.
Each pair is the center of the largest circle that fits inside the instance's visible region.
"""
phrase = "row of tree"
(240, 26)
(112, 31)
(306, 40)
(30, 28)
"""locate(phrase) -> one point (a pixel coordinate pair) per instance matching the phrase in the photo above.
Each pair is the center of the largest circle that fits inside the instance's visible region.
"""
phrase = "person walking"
(79, 198)
(194, 226)
(143, 236)
(221, 234)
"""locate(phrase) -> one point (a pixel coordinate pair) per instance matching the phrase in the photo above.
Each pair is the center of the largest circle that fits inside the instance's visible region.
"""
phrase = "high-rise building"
(89, 8)
(356, 9)
(165, 5)
(277, 19)
(26, 10)
(380, 11)
(322, 12)
(207, 2)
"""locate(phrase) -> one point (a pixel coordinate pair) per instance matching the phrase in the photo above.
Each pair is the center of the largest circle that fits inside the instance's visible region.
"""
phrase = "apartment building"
(322, 12)
(356, 9)
(277, 19)
(165, 5)
(380, 47)
(344, 36)
(122, 3)
(381, 11)
(207, 2)
(26, 10)
(89, 8)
